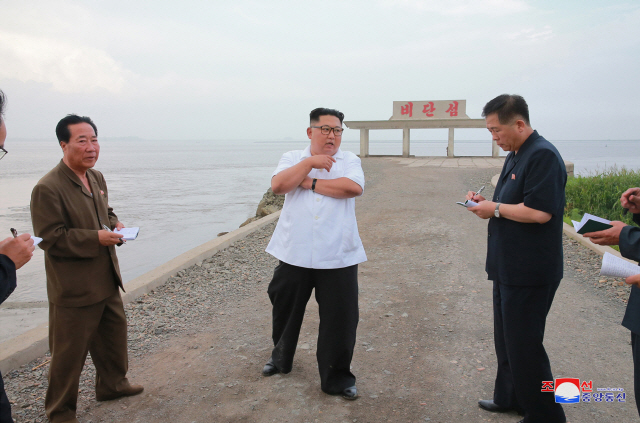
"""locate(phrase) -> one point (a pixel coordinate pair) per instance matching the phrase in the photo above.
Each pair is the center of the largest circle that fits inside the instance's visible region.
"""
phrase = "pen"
(480, 190)
(14, 233)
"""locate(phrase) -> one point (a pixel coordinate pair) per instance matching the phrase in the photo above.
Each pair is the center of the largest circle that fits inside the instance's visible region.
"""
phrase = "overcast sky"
(254, 69)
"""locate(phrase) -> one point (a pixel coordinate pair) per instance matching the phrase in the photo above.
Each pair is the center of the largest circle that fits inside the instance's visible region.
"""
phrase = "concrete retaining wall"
(35, 343)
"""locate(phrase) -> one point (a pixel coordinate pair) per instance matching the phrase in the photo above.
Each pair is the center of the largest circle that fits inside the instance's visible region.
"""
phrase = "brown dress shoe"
(129, 391)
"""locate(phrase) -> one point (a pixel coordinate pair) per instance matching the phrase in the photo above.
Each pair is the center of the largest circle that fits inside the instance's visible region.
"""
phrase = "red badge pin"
(513, 176)
(101, 192)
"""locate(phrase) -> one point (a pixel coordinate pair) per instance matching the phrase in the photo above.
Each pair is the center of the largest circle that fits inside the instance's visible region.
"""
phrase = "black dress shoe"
(489, 405)
(350, 393)
(270, 368)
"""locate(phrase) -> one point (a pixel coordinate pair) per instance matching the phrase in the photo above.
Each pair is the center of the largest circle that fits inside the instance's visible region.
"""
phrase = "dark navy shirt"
(529, 253)
(7, 277)
(630, 248)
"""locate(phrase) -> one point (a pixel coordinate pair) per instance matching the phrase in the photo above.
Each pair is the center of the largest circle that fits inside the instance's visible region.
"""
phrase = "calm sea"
(183, 193)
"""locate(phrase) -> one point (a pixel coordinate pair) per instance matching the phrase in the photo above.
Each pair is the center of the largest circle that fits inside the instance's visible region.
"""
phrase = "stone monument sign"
(435, 109)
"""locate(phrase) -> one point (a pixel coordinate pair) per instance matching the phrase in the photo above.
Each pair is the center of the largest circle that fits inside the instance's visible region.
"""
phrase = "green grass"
(599, 194)
(567, 220)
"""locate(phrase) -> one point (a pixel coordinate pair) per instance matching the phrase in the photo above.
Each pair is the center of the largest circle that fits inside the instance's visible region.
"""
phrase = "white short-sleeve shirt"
(316, 231)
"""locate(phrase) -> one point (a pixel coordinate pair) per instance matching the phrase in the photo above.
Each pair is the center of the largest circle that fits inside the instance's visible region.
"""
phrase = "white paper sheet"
(467, 203)
(617, 267)
(128, 234)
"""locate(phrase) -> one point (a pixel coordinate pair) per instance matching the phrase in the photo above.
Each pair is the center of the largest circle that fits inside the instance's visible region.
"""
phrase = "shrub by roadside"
(599, 194)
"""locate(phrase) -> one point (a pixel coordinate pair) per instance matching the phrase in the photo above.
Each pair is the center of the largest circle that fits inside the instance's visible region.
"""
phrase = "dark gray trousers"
(635, 349)
(336, 292)
(5, 406)
(519, 317)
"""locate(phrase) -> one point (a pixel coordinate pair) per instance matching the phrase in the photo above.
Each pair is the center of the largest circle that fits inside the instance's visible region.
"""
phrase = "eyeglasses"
(326, 130)
(3, 152)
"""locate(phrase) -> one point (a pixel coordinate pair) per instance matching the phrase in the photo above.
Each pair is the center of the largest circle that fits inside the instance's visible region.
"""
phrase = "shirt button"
(317, 199)
(317, 217)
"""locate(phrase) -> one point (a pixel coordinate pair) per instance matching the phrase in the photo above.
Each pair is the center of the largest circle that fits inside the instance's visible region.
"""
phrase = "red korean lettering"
(547, 386)
(428, 109)
(586, 386)
(407, 109)
(453, 109)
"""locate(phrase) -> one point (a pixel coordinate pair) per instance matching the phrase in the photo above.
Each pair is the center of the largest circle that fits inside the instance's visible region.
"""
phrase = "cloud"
(67, 67)
(461, 7)
(532, 35)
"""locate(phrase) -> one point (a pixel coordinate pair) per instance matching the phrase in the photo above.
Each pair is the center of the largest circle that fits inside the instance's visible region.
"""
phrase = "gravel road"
(425, 341)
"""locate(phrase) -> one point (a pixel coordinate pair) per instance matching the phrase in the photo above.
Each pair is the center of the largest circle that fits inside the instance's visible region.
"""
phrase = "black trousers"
(5, 406)
(520, 314)
(336, 292)
(635, 348)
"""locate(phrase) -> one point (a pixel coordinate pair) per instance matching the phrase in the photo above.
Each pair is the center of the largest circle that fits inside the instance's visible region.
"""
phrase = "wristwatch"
(497, 212)
(313, 185)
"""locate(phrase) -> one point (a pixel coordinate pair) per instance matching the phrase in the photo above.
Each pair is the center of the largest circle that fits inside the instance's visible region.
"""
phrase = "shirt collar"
(74, 178)
(526, 144)
(307, 153)
(70, 173)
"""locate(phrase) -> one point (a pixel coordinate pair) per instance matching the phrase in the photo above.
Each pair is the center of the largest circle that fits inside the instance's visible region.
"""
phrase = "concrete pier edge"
(34, 343)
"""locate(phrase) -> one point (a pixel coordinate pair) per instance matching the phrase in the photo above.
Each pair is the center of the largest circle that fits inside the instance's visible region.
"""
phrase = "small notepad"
(128, 234)
(591, 223)
(467, 203)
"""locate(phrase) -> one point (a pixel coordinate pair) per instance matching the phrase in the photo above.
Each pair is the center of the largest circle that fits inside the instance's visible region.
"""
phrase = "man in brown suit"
(69, 209)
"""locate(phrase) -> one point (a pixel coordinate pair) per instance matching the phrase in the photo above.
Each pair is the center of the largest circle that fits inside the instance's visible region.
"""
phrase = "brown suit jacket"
(67, 217)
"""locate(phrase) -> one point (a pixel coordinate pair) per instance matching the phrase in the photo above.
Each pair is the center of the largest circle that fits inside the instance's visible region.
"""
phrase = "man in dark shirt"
(628, 238)
(14, 253)
(524, 258)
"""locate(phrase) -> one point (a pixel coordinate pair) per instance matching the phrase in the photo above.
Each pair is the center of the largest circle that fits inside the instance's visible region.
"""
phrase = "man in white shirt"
(317, 243)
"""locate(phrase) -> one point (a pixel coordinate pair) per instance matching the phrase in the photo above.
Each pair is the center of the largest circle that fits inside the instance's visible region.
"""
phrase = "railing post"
(405, 142)
(495, 150)
(364, 143)
(450, 148)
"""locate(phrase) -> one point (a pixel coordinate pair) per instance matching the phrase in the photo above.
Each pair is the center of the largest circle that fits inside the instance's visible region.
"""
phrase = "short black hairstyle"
(3, 101)
(315, 114)
(62, 128)
(508, 107)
